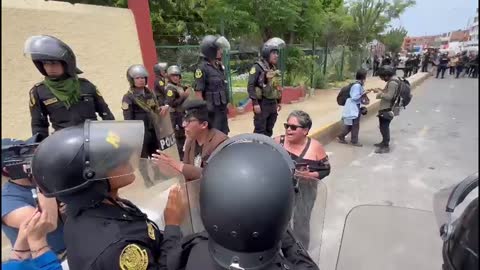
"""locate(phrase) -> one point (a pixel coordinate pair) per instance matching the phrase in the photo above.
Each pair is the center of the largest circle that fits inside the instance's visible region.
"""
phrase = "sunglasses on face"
(292, 127)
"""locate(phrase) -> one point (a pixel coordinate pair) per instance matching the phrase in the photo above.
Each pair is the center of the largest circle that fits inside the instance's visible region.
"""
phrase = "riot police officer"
(84, 167)
(63, 97)
(160, 70)
(409, 63)
(139, 103)
(264, 88)
(240, 233)
(442, 65)
(176, 94)
(211, 81)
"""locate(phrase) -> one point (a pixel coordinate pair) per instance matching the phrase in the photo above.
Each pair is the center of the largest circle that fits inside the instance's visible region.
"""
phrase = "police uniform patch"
(133, 257)
(170, 93)
(113, 139)
(151, 230)
(124, 106)
(50, 101)
(198, 73)
(252, 70)
(161, 83)
(32, 99)
(150, 102)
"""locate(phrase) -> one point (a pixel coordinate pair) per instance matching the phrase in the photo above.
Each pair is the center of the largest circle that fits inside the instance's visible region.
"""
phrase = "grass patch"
(238, 96)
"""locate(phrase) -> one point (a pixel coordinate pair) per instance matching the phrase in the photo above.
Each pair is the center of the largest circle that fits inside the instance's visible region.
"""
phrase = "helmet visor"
(45, 47)
(223, 43)
(275, 42)
(137, 71)
(113, 148)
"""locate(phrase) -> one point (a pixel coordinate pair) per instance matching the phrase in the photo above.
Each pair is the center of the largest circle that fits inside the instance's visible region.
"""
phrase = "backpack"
(404, 95)
(344, 94)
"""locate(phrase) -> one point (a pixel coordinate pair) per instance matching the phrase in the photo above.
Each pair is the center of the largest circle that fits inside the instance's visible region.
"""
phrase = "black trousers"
(385, 129)
(452, 70)
(219, 118)
(177, 124)
(425, 68)
(265, 121)
(304, 202)
(441, 69)
(150, 146)
(459, 71)
(354, 129)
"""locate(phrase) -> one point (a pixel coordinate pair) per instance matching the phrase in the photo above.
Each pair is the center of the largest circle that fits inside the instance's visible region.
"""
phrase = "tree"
(393, 39)
(372, 17)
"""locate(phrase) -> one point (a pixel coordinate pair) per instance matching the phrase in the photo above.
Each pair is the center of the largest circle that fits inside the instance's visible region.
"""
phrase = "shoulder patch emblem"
(198, 73)
(161, 83)
(170, 93)
(151, 231)
(32, 99)
(252, 70)
(124, 106)
(133, 257)
(151, 102)
(50, 101)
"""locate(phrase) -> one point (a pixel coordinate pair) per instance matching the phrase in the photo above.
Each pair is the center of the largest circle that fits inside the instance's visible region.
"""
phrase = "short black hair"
(361, 75)
(198, 109)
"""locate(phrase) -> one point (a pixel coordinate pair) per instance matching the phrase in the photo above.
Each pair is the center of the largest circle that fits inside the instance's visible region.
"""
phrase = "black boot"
(382, 150)
(380, 144)
(342, 140)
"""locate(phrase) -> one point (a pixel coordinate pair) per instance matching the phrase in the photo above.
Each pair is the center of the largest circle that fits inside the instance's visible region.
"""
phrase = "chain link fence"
(301, 66)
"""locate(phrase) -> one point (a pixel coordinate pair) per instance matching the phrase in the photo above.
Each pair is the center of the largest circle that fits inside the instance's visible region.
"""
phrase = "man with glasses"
(202, 140)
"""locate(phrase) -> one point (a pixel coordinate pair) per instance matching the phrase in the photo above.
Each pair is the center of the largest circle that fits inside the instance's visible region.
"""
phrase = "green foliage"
(372, 17)
(393, 39)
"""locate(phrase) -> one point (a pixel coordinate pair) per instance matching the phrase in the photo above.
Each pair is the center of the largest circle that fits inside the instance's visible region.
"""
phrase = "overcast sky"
(432, 17)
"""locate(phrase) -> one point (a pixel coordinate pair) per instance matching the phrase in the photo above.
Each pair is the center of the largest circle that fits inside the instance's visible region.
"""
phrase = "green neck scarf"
(67, 91)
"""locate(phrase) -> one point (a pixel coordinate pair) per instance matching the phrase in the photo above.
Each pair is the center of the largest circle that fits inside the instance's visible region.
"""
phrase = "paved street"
(434, 144)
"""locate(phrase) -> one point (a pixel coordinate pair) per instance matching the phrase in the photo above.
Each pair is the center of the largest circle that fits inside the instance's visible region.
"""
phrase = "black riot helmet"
(273, 44)
(48, 48)
(159, 68)
(16, 157)
(136, 71)
(460, 235)
(210, 45)
(246, 203)
(74, 164)
(386, 71)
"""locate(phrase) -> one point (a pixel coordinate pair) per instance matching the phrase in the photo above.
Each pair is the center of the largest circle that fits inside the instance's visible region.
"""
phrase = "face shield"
(42, 47)
(112, 148)
(276, 42)
(222, 43)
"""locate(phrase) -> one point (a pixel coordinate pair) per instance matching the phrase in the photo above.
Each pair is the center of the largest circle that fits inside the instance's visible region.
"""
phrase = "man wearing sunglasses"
(201, 141)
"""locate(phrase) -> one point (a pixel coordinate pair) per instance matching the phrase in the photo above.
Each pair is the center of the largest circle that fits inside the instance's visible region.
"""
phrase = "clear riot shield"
(379, 237)
(165, 134)
(152, 197)
(308, 212)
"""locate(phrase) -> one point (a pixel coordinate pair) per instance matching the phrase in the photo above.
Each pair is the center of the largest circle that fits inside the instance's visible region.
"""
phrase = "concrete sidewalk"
(322, 107)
